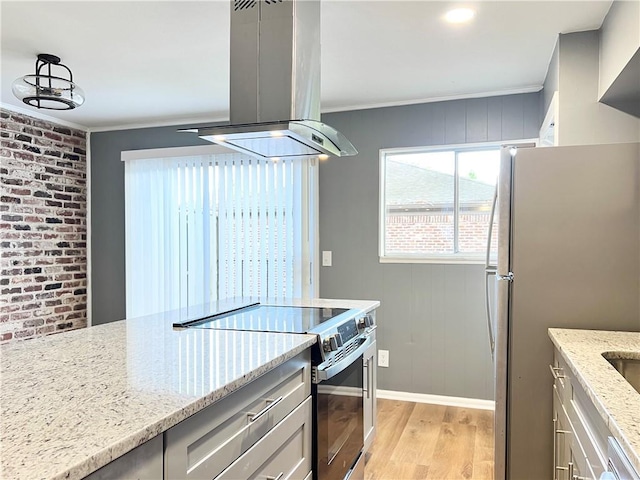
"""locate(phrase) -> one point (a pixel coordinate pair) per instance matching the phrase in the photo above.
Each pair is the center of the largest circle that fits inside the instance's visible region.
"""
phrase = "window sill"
(452, 260)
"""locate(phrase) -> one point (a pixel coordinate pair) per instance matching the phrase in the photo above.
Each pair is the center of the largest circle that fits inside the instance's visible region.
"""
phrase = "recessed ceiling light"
(459, 15)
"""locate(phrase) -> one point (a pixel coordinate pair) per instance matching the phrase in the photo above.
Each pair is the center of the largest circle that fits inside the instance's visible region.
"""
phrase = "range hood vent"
(274, 103)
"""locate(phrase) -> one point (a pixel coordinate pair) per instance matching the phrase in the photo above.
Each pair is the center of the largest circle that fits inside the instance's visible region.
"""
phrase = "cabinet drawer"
(582, 469)
(589, 430)
(284, 453)
(569, 457)
(206, 443)
(562, 438)
(143, 463)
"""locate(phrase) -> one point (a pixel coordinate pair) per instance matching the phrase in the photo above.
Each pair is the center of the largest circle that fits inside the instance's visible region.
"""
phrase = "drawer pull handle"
(276, 478)
(555, 444)
(556, 372)
(365, 378)
(271, 403)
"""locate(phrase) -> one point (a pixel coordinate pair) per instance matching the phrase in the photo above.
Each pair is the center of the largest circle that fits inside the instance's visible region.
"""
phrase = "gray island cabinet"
(261, 430)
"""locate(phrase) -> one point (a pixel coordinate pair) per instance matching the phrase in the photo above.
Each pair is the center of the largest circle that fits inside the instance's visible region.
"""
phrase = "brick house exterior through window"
(436, 203)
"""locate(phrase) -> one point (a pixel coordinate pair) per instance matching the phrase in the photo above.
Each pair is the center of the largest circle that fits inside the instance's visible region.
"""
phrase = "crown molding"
(497, 93)
(169, 122)
(42, 116)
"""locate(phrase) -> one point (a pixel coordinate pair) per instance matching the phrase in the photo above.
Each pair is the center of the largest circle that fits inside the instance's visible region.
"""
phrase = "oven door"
(339, 422)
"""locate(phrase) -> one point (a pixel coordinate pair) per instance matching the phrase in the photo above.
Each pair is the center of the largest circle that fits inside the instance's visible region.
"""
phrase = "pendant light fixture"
(43, 89)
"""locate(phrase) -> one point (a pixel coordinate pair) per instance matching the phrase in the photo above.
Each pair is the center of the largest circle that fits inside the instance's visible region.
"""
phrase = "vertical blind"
(210, 227)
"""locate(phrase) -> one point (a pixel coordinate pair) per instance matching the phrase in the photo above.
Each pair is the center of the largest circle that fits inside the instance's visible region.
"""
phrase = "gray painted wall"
(582, 119)
(107, 283)
(551, 81)
(431, 317)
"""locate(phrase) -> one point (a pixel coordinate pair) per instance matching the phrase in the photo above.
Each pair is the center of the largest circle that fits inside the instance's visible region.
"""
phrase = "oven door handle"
(324, 372)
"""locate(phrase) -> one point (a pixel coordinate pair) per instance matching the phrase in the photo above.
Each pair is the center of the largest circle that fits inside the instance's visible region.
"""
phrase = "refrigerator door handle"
(492, 342)
(489, 271)
(505, 278)
(487, 263)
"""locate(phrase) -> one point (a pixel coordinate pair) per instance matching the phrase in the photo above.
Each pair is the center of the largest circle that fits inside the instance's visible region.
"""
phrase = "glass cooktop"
(269, 318)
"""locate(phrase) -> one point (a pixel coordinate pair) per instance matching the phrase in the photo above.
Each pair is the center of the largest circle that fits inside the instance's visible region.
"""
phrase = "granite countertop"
(70, 403)
(614, 398)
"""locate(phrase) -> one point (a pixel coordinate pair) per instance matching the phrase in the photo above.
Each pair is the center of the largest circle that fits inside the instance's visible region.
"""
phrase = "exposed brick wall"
(43, 228)
(425, 233)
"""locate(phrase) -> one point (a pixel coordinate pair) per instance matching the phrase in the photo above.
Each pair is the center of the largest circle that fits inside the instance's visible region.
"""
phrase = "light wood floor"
(417, 441)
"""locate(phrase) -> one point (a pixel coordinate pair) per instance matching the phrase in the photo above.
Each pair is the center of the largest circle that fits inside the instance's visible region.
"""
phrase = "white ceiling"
(167, 62)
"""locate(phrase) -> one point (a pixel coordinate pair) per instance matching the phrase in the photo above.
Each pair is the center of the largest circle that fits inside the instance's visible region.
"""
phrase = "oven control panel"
(348, 330)
(343, 338)
(342, 345)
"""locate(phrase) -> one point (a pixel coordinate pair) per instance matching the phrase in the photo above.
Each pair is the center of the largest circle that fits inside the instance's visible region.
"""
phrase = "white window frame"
(453, 258)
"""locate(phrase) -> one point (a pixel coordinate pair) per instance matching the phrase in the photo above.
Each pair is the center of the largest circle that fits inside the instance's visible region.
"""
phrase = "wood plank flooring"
(418, 441)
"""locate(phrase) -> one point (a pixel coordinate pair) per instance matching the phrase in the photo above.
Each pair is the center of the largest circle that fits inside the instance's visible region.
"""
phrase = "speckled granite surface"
(71, 403)
(616, 401)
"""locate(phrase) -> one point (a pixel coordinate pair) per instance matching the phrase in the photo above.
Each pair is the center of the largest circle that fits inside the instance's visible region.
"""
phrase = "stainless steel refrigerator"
(568, 257)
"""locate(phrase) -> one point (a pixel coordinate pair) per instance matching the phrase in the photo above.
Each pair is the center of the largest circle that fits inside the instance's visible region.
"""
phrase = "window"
(205, 227)
(435, 204)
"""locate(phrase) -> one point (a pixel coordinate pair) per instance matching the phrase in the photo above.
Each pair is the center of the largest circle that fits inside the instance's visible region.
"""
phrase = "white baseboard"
(438, 399)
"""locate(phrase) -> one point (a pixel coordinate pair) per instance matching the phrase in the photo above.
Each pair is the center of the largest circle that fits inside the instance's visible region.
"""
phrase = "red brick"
(35, 151)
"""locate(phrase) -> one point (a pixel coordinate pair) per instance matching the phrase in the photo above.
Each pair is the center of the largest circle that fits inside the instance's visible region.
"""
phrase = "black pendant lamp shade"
(45, 89)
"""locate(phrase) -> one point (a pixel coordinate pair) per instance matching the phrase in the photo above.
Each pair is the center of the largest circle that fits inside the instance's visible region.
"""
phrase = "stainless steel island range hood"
(275, 83)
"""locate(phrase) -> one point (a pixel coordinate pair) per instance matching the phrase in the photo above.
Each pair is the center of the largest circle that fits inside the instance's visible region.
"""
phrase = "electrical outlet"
(327, 258)
(383, 358)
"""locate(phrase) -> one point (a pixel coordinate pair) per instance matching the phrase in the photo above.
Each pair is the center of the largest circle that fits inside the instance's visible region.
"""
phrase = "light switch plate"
(327, 258)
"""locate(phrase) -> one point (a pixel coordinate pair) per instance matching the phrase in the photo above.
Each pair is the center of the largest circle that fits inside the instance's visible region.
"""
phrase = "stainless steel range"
(337, 374)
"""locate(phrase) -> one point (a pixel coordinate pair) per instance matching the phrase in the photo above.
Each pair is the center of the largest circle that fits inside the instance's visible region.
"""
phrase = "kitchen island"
(72, 403)
(614, 402)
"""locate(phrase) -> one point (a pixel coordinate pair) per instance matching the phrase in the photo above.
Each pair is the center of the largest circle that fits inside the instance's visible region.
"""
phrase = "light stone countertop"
(70, 403)
(614, 398)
